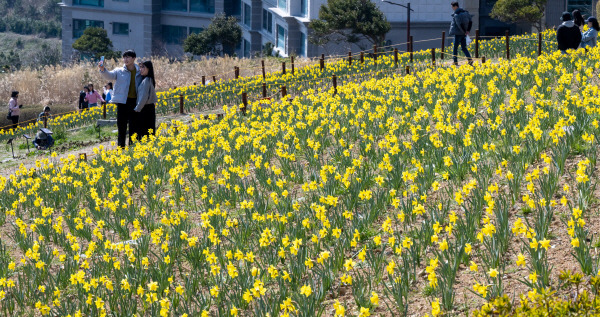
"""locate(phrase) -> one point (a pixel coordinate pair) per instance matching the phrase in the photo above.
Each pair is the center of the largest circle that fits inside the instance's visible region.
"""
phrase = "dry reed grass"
(60, 85)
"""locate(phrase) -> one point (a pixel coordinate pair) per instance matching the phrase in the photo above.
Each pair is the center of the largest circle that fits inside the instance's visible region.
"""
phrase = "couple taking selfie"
(135, 96)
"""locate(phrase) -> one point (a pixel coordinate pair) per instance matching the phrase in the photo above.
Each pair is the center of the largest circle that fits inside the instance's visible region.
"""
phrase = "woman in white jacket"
(146, 109)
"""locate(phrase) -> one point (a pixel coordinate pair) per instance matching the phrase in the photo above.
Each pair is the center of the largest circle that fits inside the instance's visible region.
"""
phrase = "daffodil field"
(214, 95)
(441, 192)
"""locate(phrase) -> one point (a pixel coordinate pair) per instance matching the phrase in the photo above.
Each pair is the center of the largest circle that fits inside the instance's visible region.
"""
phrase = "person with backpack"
(460, 26)
(568, 35)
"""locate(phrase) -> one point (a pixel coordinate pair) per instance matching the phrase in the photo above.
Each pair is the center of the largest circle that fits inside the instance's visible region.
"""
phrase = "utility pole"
(408, 10)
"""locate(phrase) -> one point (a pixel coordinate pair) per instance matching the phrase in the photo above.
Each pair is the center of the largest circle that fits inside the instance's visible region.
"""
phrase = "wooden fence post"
(362, 57)
(45, 121)
(350, 58)
(375, 54)
(181, 104)
(283, 68)
(477, 43)
(443, 45)
(433, 56)
(407, 69)
(292, 65)
(262, 62)
(411, 48)
(104, 111)
(334, 78)
(245, 102)
(396, 57)
(507, 45)
(283, 91)
(483, 60)
(237, 72)
(214, 79)
(203, 80)
(322, 62)
(539, 44)
(264, 90)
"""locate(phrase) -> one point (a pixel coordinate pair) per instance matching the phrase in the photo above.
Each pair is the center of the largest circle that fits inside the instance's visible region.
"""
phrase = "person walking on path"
(145, 109)
(83, 104)
(126, 80)
(568, 35)
(93, 96)
(14, 109)
(460, 27)
(589, 37)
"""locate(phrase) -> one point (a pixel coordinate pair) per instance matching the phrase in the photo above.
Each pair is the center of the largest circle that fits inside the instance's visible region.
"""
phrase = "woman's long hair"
(578, 18)
(595, 25)
(148, 65)
(14, 94)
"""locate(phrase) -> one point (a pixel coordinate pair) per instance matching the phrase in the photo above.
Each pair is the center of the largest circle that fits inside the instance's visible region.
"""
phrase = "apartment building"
(146, 26)
(160, 26)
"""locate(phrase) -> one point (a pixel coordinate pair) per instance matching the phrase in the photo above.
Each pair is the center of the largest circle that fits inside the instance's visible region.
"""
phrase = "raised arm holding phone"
(126, 80)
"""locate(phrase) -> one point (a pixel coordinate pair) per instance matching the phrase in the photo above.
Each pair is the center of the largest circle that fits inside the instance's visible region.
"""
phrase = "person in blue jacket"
(127, 79)
(589, 37)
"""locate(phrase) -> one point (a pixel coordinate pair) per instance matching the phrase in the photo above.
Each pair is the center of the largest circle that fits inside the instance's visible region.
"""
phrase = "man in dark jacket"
(460, 28)
(568, 35)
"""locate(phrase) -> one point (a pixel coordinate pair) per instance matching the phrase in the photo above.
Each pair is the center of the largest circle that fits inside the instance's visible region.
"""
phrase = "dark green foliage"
(37, 17)
(528, 11)
(349, 21)
(95, 43)
(220, 37)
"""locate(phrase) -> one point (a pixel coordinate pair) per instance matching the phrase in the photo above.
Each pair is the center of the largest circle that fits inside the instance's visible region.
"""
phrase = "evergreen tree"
(95, 43)
(349, 21)
(516, 11)
(220, 37)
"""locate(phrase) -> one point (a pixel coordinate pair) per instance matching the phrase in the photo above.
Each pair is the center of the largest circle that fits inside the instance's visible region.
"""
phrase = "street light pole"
(408, 10)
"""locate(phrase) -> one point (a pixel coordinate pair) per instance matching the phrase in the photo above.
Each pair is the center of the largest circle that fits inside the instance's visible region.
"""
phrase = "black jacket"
(568, 36)
(82, 103)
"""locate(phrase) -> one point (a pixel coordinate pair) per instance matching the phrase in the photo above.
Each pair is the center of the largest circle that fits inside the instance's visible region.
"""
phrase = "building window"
(174, 5)
(204, 6)
(174, 34)
(196, 30)
(247, 14)
(267, 21)
(80, 25)
(282, 4)
(232, 7)
(585, 6)
(304, 7)
(94, 3)
(120, 28)
(302, 44)
(280, 37)
(246, 48)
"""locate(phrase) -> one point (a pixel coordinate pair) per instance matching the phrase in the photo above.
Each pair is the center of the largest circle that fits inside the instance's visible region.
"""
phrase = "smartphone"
(101, 60)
